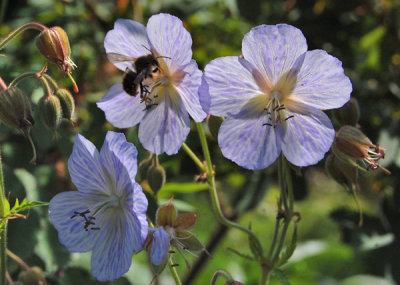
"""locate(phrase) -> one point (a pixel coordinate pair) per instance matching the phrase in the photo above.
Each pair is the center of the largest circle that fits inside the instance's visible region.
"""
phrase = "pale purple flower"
(107, 214)
(272, 97)
(165, 126)
(160, 245)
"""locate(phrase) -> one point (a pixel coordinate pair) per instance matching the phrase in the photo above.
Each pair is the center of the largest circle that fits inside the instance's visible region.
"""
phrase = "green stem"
(173, 271)
(46, 87)
(3, 233)
(194, 157)
(21, 77)
(213, 190)
(3, 10)
(264, 279)
(16, 32)
(274, 239)
(221, 273)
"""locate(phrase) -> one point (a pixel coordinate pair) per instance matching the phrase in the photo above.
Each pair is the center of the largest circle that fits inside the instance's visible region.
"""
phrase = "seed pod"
(67, 103)
(166, 215)
(156, 177)
(15, 109)
(349, 113)
(54, 45)
(50, 111)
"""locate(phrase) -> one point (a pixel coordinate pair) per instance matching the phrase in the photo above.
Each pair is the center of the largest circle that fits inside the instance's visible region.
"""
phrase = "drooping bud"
(67, 103)
(214, 123)
(50, 111)
(15, 109)
(166, 215)
(349, 113)
(53, 43)
(156, 177)
(351, 146)
(32, 277)
(144, 166)
(342, 172)
(185, 222)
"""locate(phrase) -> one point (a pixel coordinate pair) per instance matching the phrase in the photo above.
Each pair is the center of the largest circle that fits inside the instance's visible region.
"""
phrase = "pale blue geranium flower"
(165, 124)
(107, 214)
(272, 97)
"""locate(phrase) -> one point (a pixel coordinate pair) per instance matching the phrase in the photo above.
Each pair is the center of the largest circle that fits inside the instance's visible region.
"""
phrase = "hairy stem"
(221, 273)
(173, 271)
(16, 32)
(194, 157)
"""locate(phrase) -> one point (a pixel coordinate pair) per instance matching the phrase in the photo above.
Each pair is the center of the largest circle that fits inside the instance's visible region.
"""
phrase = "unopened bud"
(50, 111)
(15, 109)
(349, 113)
(342, 172)
(54, 45)
(214, 123)
(166, 215)
(67, 103)
(352, 145)
(32, 277)
(144, 166)
(156, 177)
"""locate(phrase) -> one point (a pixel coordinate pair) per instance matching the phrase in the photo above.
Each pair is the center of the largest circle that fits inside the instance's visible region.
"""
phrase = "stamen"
(174, 265)
(291, 116)
(88, 220)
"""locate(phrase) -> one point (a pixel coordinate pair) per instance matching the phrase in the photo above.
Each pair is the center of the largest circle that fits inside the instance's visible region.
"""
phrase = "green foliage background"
(332, 249)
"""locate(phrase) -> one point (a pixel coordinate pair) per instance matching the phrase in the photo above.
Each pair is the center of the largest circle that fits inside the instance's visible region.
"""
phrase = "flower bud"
(15, 109)
(185, 222)
(351, 146)
(50, 111)
(144, 166)
(166, 215)
(54, 45)
(32, 277)
(349, 113)
(342, 172)
(156, 177)
(214, 123)
(67, 103)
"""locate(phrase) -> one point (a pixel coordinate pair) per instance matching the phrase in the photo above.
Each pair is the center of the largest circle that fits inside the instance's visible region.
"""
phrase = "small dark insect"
(143, 68)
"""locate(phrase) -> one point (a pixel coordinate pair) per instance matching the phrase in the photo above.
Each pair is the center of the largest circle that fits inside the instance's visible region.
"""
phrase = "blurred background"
(332, 249)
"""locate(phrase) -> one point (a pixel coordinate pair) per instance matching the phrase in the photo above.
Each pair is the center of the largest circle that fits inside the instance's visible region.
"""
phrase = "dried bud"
(349, 113)
(50, 111)
(54, 45)
(166, 215)
(67, 103)
(342, 172)
(214, 123)
(351, 146)
(15, 109)
(32, 277)
(156, 177)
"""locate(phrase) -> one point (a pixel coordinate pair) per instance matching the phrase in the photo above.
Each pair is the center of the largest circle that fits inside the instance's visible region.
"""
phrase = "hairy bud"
(166, 215)
(144, 166)
(156, 177)
(15, 109)
(349, 114)
(67, 103)
(32, 277)
(50, 111)
(54, 45)
(343, 173)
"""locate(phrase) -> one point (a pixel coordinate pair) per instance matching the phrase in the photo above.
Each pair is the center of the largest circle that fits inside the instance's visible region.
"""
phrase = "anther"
(267, 124)
(82, 214)
(276, 107)
(291, 116)
(174, 265)
(171, 251)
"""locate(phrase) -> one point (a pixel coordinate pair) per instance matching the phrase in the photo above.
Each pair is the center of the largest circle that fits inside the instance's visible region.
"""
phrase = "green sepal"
(281, 276)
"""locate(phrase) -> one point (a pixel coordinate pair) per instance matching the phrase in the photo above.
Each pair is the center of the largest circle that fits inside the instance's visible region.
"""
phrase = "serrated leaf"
(248, 257)
(25, 205)
(288, 251)
(281, 276)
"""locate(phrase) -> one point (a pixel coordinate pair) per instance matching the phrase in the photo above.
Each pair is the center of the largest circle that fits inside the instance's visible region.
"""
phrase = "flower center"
(275, 110)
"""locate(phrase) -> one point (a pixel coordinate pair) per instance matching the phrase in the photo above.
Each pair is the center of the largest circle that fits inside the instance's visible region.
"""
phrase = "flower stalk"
(3, 231)
(24, 27)
(173, 271)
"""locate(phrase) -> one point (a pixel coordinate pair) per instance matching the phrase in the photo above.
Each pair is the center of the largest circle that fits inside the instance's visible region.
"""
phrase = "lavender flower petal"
(188, 90)
(204, 95)
(170, 39)
(230, 84)
(245, 139)
(118, 158)
(121, 109)
(71, 231)
(273, 49)
(160, 246)
(166, 126)
(128, 38)
(309, 135)
(85, 168)
(321, 82)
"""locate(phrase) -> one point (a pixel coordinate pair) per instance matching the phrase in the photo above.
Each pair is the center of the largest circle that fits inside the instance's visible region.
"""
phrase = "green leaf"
(256, 248)
(180, 187)
(288, 251)
(281, 276)
(25, 205)
(248, 257)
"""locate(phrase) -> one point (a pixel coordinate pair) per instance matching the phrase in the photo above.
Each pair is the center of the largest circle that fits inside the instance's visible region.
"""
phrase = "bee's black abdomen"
(128, 83)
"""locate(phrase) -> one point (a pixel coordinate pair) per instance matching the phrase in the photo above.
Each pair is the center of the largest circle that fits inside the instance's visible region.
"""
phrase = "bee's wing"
(116, 57)
(140, 77)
